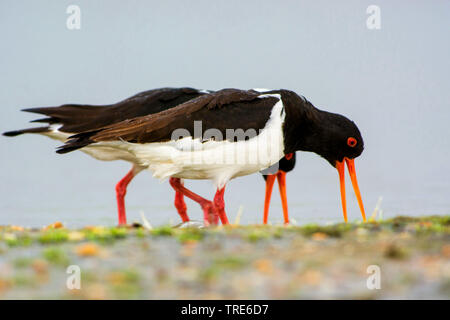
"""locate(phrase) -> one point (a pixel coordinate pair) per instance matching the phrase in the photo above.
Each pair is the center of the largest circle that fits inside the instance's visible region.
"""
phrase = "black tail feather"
(76, 142)
(42, 110)
(29, 130)
(66, 149)
(45, 120)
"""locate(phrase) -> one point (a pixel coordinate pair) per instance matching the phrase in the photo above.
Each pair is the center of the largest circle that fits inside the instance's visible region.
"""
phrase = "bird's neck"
(304, 127)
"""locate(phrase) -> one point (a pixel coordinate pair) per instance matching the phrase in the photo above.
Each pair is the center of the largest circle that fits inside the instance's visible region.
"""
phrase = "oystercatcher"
(204, 137)
(69, 119)
(278, 172)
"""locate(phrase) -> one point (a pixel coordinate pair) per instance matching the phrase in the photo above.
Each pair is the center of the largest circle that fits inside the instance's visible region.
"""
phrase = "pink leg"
(181, 205)
(121, 191)
(209, 211)
(220, 205)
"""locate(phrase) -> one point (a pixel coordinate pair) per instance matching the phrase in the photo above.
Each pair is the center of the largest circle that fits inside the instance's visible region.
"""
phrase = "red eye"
(289, 156)
(351, 142)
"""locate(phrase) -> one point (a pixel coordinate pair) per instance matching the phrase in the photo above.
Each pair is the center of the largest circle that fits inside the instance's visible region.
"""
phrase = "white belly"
(218, 161)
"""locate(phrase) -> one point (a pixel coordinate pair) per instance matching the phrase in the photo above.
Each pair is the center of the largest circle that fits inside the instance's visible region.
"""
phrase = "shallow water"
(388, 81)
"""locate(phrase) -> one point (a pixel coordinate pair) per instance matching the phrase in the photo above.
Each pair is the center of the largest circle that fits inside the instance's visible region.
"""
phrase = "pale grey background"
(394, 83)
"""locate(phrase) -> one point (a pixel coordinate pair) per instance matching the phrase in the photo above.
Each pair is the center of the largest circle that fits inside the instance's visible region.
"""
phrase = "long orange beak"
(340, 166)
(281, 176)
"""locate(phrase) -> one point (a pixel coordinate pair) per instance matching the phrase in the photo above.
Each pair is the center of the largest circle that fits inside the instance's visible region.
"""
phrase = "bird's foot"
(210, 214)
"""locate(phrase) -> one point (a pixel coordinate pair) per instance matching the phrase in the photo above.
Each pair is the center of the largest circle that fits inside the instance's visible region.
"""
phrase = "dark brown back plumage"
(76, 118)
(221, 110)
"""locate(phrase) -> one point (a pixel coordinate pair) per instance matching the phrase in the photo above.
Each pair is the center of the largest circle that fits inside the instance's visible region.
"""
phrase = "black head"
(340, 139)
(287, 163)
(330, 135)
(341, 144)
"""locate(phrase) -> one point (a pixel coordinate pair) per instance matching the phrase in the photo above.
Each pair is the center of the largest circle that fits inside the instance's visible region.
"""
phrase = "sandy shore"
(412, 256)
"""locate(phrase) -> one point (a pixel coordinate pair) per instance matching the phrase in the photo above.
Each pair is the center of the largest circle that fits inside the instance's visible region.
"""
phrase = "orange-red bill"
(340, 166)
(270, 180)
(352, 172)
(281, 175)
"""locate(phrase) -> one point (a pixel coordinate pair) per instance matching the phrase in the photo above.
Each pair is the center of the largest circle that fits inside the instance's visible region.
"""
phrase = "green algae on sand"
(241, 262)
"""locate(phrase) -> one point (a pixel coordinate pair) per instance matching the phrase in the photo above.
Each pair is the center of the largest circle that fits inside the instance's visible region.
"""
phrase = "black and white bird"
(67, 120)
(226, 134)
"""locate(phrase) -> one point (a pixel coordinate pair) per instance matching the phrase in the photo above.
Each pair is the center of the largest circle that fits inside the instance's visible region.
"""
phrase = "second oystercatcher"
(278, 172)
(230, 133)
